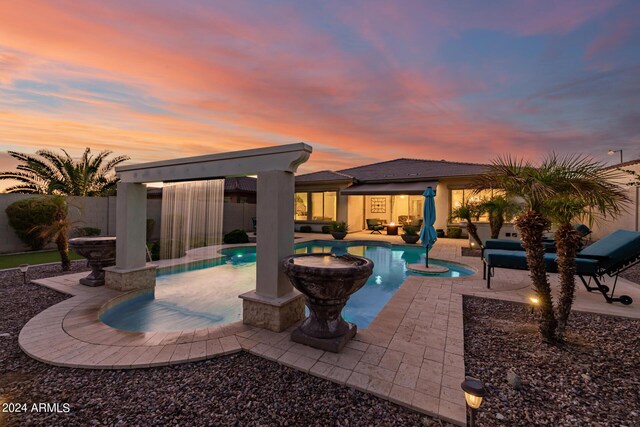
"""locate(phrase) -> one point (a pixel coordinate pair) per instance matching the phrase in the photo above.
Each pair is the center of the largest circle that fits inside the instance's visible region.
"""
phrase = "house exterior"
(629, 219)
(389, 191)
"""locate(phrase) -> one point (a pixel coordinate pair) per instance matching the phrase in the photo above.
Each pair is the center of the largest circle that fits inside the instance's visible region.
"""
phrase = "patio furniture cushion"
(518, 260)
(515, 245)
(614, 249)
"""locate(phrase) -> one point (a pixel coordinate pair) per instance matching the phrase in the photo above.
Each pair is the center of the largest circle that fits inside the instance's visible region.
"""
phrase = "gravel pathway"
(236, 390)
(594, 380)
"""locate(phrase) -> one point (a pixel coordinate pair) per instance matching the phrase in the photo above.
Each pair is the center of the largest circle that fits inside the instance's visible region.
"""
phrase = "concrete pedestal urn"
(326, 281)
(100, 252)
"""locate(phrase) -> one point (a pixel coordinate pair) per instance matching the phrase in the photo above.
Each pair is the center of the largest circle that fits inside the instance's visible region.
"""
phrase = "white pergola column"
(275, 211)
(274, 305)
(131, 271)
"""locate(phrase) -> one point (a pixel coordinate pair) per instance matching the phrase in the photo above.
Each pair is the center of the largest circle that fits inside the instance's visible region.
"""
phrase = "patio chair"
(609, 256)
(375, 225)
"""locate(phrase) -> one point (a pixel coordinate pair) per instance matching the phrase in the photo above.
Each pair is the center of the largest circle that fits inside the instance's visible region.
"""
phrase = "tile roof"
(325, 175)
(399, 170)
(242, 183)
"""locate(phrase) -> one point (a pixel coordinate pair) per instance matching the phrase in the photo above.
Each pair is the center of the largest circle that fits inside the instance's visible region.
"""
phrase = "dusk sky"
(361, 81)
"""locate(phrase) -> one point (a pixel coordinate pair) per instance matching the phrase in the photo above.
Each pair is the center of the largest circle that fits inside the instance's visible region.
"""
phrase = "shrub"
(340, 227)
(236, 236)
(305, 229)
(27, 216)
(454, 232)
(89, 231)
(439, 232)
(410, 230)
(326, 229)
(154, 250)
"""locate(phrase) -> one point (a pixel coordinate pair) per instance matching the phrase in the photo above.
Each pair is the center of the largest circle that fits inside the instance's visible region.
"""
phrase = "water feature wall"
(191, 218)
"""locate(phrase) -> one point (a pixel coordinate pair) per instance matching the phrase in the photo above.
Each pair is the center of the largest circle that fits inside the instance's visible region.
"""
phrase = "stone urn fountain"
(100, 252)
(326, 281)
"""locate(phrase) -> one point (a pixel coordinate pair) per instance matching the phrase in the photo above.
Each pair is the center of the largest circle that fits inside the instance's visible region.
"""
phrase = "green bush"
(89, 231)
(326, 229)
(236, 236)
(439, 232)
(454, 232)
(340, 227)
(305, 229)
(25, 216)
(154, 250)
(410, 230)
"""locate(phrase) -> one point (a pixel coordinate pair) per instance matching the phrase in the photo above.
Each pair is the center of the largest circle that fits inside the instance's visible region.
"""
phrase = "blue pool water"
(207, 295)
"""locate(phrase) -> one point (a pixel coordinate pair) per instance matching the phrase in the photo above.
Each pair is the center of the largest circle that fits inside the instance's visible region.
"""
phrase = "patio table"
(392, 229)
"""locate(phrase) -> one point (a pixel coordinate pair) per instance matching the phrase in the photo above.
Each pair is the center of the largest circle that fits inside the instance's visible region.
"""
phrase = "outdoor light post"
(474, 392)
(23, 269)
(612, 152)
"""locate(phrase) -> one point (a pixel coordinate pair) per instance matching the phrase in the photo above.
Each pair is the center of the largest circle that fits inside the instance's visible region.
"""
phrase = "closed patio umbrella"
(428, 234)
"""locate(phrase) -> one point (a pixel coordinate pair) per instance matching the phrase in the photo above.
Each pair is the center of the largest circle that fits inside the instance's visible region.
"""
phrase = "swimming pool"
(193, 297)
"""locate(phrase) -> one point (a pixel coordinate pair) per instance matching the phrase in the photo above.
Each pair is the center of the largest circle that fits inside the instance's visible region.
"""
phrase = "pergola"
(274, 304)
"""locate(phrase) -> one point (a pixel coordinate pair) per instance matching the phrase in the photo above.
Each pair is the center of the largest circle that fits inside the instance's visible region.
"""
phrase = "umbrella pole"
(426, 257)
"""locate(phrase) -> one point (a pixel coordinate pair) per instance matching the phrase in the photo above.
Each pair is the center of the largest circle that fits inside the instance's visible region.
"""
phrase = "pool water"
(207, 295)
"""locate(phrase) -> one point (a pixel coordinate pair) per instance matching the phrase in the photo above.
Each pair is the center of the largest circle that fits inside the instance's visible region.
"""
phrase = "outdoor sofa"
(609, 256)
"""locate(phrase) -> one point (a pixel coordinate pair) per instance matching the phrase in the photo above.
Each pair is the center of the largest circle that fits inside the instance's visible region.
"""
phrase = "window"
(462, 196)
(316, 206)
(301, 202)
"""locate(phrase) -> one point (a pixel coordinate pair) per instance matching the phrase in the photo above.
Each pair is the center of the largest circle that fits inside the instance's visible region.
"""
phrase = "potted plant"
(410, 234)
(339, 230)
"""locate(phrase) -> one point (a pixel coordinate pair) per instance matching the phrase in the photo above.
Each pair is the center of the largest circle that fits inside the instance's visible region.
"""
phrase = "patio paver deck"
(412, 353)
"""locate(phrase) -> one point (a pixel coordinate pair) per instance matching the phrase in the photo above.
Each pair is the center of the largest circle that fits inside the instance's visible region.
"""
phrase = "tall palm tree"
(47, 172)
(469, 212)
(534, 185)
(499, 210)
(587, 192)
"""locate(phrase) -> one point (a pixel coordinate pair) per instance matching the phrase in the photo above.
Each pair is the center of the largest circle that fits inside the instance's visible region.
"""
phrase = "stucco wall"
(629, 220)
(100, 212)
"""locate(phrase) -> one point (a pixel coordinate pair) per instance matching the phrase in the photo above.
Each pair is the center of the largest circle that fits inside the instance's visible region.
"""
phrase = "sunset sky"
(361, 81)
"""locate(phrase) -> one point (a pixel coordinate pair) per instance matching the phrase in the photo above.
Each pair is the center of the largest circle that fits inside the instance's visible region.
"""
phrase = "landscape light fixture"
(474, 392)
(23, 269)
(535, 302)
(612, 152)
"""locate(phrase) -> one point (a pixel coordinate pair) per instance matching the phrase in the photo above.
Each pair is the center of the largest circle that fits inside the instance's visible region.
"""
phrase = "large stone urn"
(100, 252)
(326, 281)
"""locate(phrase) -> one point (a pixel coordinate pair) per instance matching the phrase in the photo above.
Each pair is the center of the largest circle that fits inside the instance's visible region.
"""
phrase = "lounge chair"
(609, 256)
(375, 225)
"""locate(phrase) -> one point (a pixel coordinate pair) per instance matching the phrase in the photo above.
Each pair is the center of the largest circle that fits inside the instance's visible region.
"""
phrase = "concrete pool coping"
(412, 353)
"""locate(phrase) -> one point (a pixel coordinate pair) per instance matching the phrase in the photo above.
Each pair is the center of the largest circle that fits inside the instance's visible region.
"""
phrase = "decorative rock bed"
(593, 380)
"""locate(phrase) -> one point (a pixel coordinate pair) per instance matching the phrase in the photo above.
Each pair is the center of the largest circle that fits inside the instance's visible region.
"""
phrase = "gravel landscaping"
(236, 390)
(593, 380)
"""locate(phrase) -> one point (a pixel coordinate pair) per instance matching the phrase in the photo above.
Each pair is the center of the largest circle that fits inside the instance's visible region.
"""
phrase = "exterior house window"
(302, 203)
(462, 196)
(316, 206)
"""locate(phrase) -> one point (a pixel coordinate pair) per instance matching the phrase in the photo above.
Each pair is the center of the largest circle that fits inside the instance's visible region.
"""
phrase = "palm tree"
(499, 209)
(47, 172)
(534, 185)
(58, 230)
(585, 191)
(469, 212)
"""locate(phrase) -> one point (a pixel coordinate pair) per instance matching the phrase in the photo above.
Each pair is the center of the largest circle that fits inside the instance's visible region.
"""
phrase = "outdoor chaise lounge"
(375, 225)
(609, 256)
